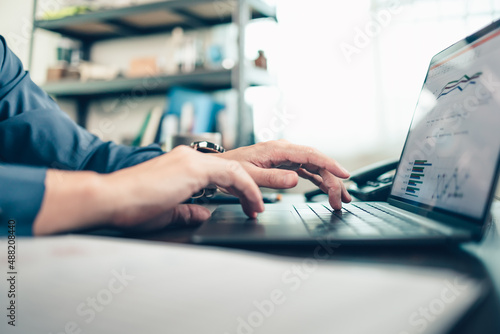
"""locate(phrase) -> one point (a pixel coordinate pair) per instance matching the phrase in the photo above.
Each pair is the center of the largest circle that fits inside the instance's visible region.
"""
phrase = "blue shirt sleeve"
(21, 196)
(35, 135)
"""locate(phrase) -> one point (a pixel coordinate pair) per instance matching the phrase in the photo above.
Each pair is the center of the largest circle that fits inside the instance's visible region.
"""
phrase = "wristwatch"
(206, 147)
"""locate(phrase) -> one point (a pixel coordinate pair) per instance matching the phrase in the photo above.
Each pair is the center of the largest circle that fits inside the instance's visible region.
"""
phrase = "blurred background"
(343, 77)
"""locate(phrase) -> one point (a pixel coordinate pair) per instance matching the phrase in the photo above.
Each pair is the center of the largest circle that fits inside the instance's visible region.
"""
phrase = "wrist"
(72, 201)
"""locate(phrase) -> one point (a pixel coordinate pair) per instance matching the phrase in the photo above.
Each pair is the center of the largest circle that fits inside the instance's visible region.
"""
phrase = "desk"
(480, 260)
(80, 284)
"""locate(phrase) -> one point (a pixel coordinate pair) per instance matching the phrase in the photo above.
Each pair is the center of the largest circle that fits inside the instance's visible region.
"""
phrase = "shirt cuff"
(21, 197)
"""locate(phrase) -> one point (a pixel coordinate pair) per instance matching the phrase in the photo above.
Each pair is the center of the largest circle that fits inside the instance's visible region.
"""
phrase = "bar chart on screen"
(416, 177)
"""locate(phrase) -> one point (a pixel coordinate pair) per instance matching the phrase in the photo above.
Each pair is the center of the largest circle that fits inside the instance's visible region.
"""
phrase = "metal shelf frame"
(239, 78)
(179, 7)
(207, 80)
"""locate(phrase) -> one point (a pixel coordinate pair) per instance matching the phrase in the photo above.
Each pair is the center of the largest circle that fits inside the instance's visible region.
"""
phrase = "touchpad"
(271, 216)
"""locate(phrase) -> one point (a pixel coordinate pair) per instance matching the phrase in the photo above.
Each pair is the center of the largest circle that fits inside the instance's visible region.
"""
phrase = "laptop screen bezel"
(432, 211)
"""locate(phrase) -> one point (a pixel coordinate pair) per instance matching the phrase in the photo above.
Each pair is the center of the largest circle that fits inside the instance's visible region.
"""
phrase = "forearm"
(73, 201)
(144, 197)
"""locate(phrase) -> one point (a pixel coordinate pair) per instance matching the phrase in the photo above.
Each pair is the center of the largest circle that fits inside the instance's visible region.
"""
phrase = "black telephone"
(373, 182)
(370, 183)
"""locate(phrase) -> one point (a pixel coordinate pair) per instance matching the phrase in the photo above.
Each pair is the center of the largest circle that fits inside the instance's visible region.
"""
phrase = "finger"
(346, 197)
(289, 165)
(274, 178)
(318, 181)
(315, 179)
(182, 214)
(306, 155)
(334, 198)
(312, 168)
(245, 204)
(189, 214)
(231, 176)
(334, 186)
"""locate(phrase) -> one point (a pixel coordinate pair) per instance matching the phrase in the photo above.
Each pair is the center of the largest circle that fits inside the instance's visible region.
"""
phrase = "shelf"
(200, 79)
(150, 18)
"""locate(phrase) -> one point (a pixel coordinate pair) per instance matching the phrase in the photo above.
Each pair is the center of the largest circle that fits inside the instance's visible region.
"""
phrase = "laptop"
(446, 177)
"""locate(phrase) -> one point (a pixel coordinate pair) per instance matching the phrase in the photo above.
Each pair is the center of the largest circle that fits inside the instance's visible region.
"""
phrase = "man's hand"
(277, 164)
(143, 197)
(148, 196)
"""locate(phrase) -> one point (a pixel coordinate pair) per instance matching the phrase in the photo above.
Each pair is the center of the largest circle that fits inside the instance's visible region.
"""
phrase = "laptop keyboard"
(363, 219)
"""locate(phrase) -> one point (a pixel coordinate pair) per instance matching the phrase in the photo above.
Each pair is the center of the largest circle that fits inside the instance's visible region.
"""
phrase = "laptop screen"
(451, 155)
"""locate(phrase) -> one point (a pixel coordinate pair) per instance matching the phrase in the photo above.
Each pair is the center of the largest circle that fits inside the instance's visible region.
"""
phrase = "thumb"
(189, 214)
(275, 178)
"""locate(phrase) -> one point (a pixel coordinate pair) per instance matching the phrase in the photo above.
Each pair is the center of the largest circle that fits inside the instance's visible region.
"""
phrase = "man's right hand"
(143, 197)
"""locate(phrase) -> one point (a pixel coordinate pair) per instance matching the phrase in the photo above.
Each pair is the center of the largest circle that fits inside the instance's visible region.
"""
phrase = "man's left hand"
(278, 164)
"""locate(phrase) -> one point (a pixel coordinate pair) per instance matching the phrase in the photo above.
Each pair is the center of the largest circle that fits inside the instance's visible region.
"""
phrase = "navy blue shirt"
(35, 134)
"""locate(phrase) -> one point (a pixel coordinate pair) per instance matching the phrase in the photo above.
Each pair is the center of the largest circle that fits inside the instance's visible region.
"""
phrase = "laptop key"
(319, 208)
(307, 214)
(354, 220)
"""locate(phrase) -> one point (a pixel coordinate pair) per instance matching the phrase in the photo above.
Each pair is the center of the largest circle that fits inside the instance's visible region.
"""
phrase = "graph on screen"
(415, 179)
(450, 185)
(460, 84)
(450, 158)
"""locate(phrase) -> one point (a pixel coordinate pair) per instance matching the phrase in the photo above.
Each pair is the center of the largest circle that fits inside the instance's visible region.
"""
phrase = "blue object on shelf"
(205, 109)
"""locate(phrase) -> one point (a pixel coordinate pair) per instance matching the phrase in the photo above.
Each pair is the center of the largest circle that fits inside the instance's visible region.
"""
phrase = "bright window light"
(349, 73)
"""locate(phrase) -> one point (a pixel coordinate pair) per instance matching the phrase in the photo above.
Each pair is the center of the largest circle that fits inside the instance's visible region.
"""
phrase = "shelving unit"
(200, 79)
(153, 18)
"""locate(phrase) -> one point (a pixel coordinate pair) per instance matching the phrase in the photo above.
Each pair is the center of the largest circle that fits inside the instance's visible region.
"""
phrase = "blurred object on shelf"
(149, 128)
(65, 48)
(111, 4)
(72, 73)
(65, 12)
(56, 72)
(261, 60)
(152, 127)
(170, 57)
(92, 71)
(176, 43)
(188, 55)
(200, 43)
(169, 126)
(68, 58)
(228, 63)
(200, 49)
(215, 56)
(144, 67)
(204, 107)
(58, 9)
(186, 120)
(184, 52)
(67, 62)
(188, 112)
(228, 138)
(69, 52)
(188, 51)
